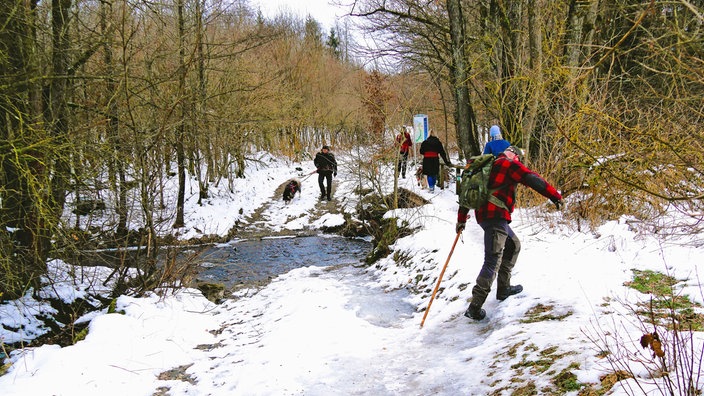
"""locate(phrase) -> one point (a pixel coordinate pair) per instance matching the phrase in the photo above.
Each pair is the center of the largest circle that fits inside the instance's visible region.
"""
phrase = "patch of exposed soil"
(255, 225)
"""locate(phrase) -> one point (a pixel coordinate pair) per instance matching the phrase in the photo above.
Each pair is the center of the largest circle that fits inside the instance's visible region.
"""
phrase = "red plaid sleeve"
(505, 175)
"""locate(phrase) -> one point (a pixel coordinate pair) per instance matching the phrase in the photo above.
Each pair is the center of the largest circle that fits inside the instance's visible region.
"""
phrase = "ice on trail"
(379, 308)
(319, 331)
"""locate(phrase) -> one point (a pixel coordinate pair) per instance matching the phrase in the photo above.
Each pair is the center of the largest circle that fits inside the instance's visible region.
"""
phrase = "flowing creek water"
(258, 261)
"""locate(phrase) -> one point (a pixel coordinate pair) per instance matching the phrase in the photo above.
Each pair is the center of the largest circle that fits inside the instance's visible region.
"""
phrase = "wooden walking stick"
(437, 286)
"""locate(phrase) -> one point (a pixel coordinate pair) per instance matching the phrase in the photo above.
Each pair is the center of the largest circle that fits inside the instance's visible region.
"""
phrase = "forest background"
(108, 97)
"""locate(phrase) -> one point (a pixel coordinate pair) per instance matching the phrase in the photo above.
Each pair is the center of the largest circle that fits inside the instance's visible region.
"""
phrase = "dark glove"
(559, 204)
(334, 174)
(459, 227)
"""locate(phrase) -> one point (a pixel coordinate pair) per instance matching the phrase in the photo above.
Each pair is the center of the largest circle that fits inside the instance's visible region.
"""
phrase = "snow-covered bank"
(353, 331)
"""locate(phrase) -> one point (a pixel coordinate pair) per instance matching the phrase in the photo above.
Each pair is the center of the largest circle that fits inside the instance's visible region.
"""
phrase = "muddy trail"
(300, 217)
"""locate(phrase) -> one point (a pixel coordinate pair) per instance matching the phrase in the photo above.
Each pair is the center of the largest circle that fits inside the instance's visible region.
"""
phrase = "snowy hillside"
(356, 331)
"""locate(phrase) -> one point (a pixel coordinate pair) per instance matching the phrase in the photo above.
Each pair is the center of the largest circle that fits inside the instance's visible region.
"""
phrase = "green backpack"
(474, 186)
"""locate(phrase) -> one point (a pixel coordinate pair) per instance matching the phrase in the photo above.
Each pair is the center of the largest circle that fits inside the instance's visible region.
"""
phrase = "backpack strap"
(496, 201)
(492, 198)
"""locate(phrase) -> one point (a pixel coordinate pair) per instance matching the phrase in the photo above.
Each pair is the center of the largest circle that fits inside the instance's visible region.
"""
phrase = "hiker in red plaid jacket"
(501, 246)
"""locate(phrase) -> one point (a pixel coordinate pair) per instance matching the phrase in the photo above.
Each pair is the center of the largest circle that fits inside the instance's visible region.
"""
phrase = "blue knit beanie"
(494, 131)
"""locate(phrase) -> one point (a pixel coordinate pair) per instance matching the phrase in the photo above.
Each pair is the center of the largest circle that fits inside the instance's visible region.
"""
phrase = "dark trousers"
(403, 163)
(501, 248)
(323, 176)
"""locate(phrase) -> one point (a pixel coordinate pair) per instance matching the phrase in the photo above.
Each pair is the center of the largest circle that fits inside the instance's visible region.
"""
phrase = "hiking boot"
(328, 197)
(322, 197)
(474, 312)
(502, 294)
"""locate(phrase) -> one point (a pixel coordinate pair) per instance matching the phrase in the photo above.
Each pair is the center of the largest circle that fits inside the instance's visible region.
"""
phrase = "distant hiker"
(501, 246)
(327, 168)
(496, 144)
(403, 140)
(432, 150)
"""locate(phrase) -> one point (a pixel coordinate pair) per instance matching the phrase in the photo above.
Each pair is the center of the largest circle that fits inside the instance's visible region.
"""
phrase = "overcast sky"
(322, 10)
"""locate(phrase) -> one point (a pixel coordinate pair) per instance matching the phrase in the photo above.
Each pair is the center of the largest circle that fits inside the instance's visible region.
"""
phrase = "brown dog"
(420, 177)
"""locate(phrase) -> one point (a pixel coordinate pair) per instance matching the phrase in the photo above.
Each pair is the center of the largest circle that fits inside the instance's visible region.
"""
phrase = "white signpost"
(420, 128)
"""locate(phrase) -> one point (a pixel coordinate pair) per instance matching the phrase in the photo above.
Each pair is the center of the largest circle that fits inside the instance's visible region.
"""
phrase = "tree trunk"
(181, 133)
(580, 31)
(200, 117)
(535, 64)
(58, 99)
(465, 122)
(116, 165)
(23, 173)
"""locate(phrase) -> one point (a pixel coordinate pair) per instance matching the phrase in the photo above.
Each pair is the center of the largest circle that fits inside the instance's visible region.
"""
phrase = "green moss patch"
(541, 313)
(667, 307)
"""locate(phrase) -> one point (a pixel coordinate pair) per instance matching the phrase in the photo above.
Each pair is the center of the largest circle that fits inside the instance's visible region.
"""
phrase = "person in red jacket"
(501, 246)
(403, 141)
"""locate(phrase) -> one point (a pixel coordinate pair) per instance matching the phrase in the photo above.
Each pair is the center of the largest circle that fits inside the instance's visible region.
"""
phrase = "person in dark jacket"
(501, 246)
(497, 144)
(326, 166)
(404, 142)
(432, 150)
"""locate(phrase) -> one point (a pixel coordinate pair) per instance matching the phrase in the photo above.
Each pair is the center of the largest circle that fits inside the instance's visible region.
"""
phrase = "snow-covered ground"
(356, 331)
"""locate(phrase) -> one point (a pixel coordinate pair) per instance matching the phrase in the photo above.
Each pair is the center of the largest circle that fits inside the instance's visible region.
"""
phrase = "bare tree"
(428, 36)
(181, 126)
(464, 113)
(23, 165)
